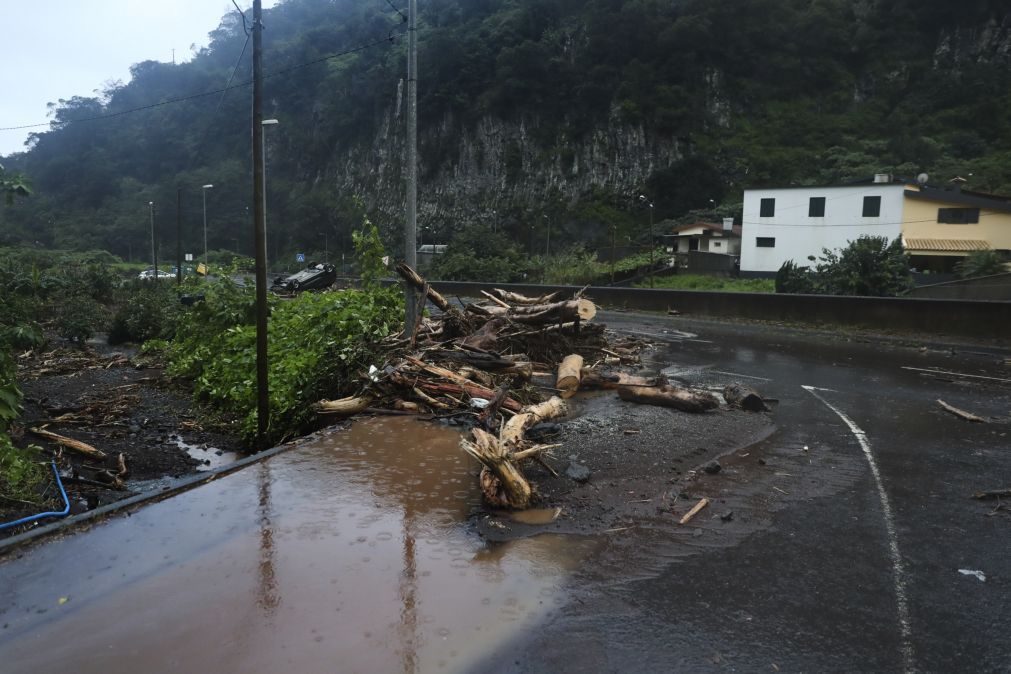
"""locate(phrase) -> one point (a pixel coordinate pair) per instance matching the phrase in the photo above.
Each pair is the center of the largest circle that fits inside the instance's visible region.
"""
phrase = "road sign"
(299, 257)
(189, 257)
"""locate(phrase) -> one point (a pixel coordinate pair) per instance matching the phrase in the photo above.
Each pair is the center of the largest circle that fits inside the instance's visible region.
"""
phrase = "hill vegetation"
(717, 95)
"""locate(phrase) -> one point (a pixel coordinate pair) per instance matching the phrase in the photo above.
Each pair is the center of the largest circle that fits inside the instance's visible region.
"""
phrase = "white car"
(149, 274)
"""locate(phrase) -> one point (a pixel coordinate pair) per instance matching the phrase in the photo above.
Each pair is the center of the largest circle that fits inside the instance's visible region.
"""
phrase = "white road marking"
(955, 374)
(898, 568)
(738, 374)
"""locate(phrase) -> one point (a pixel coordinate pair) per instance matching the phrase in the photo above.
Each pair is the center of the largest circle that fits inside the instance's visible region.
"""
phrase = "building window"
(693, 244)
(816, 208)
(717, 244)
(872, 207)
(768, 208)
(958, 216)
(765, 242)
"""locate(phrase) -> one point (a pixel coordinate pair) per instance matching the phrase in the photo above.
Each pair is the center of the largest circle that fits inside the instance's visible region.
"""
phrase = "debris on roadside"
(978, 575)
(696, 509)
(993, 493)
(504, 366)
(961, 414)
(738, 395)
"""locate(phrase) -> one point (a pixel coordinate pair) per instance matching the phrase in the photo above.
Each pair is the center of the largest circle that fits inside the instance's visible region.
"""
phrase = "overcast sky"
(63, 48)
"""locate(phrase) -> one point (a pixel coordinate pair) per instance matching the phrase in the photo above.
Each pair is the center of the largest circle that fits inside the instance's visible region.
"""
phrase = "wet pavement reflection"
(348, 554)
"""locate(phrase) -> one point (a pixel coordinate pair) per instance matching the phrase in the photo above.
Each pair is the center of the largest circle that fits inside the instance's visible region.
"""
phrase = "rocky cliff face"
(467, 174)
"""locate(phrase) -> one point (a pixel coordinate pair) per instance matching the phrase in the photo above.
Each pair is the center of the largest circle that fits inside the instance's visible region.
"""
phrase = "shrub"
(980, 263)
(792, 278)
(148, 312)
(869, 266)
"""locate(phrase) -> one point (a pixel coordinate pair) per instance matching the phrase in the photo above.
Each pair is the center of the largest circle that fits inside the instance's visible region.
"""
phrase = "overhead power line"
(362, 47)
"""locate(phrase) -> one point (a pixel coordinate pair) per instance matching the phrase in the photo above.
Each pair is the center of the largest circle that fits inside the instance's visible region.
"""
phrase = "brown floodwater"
(349, 554)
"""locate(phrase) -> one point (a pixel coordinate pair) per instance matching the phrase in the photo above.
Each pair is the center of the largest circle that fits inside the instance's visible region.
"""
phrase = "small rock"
(135, 428)
(713, 467)
(727, 516)
(578, 472)
(761, 462)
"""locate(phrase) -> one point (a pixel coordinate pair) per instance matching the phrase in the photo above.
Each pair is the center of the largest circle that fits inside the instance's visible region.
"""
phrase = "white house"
(793, 223)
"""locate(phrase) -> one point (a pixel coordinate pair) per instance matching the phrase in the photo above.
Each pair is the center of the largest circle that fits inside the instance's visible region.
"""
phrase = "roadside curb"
(9, 545)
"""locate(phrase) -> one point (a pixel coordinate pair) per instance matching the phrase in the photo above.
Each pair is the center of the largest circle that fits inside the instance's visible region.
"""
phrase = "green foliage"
(370, 253)
(318, 344)
(482, 254)
(575, 266)
(981, 263)
(715, 283)
(794, 279)
(148, 312)
(869, 266)
(21, 474)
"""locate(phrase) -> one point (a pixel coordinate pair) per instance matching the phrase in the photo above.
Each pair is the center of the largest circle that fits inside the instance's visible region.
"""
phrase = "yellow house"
(942, 226)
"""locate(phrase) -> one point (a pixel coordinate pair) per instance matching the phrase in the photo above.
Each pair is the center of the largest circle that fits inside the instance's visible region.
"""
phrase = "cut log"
(486, 336)
(543, 314)
(591, 378)
(512, 435)
(568, 375)
(993, 493)
(415, 279)
(344, 406)
(504, 484)
(668, 396)
(405, 406)
(516, 298)
(70, 443)
(738, 395)
(961, 414)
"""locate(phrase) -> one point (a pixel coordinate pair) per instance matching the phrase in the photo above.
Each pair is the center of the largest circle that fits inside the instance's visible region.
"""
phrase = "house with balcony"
(938, 226)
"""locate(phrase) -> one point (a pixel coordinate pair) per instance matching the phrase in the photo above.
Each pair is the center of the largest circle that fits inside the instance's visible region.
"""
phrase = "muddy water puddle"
(348, 554)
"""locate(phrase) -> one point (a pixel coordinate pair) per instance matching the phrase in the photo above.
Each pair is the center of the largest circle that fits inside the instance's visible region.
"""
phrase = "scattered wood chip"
(696, 509)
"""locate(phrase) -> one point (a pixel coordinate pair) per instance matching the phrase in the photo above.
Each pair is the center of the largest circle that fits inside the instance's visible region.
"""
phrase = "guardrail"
(964, 318)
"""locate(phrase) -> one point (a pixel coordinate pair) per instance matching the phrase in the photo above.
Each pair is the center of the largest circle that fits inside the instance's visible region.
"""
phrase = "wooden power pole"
(260, 235)
(411, 223)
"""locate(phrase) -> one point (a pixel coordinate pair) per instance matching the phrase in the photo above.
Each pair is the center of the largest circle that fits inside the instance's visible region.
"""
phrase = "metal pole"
(547, 247)
(179, 236)
(410, 226)
(259, 234)
(204, 191)
(652, 248)
(154, 255)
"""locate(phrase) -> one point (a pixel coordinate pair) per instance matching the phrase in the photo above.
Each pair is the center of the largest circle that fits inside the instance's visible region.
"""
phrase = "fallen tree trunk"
(502, 483)
(516, 298)
(591, 379)
(415, 279)
(344, 406)
(542, 314)
(70, 443)
(746, 398)
(678, 398)
(512, 432)
(568, 375)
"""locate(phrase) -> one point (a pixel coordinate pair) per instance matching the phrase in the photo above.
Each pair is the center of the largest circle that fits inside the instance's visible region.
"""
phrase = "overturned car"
(317, 276)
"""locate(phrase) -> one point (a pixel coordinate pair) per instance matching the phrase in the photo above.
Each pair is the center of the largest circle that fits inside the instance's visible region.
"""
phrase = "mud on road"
(109, 399)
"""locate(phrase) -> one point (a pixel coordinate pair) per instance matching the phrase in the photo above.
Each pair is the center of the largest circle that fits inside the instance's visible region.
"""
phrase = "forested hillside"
(530, 111)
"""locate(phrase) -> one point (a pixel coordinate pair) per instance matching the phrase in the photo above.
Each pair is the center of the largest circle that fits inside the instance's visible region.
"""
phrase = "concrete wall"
(921, 317)
(797, 235)
(997, 287)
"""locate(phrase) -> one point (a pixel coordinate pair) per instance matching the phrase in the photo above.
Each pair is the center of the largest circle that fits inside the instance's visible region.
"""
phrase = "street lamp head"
(268, 122)
(150, 203)
(207, 187)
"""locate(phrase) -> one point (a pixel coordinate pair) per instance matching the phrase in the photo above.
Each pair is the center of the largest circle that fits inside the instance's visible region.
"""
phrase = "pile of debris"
(506, 365)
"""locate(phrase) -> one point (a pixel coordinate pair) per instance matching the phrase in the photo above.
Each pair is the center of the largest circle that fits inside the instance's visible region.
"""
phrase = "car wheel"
(295, 285)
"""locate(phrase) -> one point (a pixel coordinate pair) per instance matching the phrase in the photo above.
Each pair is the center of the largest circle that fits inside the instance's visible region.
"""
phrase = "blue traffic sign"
(299, 257)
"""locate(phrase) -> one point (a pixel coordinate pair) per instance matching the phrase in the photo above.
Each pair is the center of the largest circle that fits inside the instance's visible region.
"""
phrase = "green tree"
(981, 263)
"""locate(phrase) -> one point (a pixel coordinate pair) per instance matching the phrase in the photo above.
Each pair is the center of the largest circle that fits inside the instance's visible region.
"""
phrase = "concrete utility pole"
(411, 224)
(260, 234)
(154, 252)
(179, 236)
(649, 202)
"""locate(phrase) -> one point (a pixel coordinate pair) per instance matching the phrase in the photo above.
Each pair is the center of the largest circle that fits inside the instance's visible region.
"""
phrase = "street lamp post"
(204, 191)
(547, 246)
(263, 156)
(154, 255)
(646, 200)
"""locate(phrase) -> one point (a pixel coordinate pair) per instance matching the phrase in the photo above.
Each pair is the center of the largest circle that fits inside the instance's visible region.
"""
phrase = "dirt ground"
(110, 400)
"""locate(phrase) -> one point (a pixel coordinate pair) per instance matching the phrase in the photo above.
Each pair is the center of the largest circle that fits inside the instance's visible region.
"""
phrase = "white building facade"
(793, 223)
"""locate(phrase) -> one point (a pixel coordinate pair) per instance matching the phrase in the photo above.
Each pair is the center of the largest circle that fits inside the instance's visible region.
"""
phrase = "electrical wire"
(391, 38)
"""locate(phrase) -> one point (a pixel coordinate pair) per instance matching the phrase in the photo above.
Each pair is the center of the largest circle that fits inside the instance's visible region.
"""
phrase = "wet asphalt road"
(835, 544)
(848, 537)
